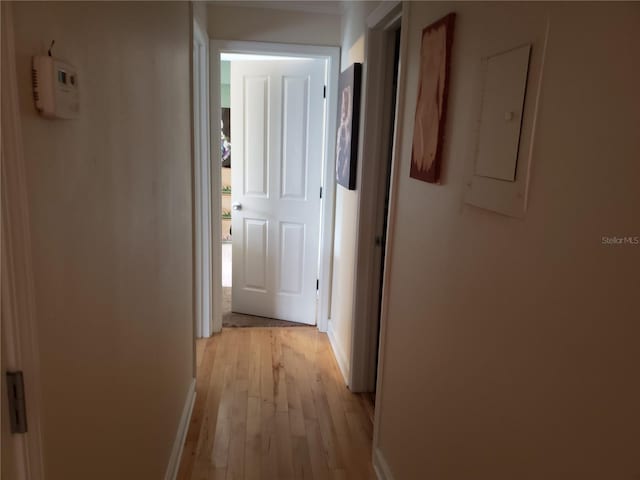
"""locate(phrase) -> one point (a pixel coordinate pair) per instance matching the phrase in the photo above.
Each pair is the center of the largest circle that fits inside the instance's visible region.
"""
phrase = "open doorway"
(381, 130)
(276, 125)
(381, 241)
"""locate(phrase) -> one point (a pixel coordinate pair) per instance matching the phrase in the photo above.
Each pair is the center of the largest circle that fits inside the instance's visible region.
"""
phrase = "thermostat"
(55, 87)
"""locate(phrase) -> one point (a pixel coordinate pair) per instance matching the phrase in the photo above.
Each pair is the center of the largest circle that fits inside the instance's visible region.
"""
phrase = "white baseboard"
(183, 427)
(338, 353)
(380, 465)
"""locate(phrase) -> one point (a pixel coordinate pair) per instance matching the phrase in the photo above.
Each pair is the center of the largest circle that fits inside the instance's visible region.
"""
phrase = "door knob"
(236, 206)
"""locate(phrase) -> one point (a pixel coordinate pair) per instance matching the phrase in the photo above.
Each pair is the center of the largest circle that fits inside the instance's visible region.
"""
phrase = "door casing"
(18, 337)
(205, 301)
(380, 25)
(378, 81)
(332, 56)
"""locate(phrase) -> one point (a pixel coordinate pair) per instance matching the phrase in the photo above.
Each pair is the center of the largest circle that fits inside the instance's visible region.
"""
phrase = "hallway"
(271, 404)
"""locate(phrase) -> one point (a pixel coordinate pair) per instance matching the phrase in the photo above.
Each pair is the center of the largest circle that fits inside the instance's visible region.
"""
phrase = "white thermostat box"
(55, 88)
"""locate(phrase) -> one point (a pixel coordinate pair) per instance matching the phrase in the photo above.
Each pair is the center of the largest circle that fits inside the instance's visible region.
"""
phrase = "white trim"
(332, 56)
(392, 214)
(278, 49)
(216, 188)
(202, 183)
(380, 465)
(181, 434)
(375, 147)
(329, 191)
(18, 288)
(338, 352)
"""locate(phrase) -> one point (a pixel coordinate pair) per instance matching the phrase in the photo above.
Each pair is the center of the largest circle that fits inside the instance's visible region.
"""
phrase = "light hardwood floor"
(272, 405)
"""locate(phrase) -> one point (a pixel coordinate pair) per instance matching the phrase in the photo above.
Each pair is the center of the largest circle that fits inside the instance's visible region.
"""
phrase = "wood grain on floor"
(272, 405)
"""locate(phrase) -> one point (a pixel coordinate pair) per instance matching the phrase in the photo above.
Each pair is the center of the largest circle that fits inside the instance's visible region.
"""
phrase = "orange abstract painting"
(431, 107)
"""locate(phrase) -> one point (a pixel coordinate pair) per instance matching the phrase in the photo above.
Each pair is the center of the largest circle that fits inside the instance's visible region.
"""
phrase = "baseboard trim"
(341, 358)
(380, 465)
(183, 427)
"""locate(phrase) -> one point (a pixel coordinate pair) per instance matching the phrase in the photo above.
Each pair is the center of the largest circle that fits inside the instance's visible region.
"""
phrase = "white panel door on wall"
(277, 118)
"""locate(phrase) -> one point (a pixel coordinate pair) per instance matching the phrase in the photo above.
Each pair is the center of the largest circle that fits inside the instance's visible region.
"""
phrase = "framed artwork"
(348, 123)
(225, 137)
(431, 107)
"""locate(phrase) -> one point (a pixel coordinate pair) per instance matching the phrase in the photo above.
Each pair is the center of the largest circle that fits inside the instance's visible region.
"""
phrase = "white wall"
(512, 345)
(110, 201)
(271, 25)
(346, 214)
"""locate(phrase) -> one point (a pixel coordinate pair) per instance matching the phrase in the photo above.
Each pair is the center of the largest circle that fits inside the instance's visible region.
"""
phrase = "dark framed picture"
(225, 137)
(431, 107)
(348, 123)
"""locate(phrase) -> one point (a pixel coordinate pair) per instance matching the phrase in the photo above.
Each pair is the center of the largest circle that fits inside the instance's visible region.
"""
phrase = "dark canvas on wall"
(431, 107)
(348, 123)
(225, 135)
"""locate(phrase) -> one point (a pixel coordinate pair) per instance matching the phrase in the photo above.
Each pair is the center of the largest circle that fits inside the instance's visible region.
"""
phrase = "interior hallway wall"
(272, 25)
(110, 201)
(346, 211)
(512, 344)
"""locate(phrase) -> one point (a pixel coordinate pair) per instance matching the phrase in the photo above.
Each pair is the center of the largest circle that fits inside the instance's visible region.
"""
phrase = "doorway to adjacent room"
(276, 181)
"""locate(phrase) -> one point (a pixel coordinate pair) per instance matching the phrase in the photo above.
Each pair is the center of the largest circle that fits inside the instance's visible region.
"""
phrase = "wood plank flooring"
(271, 405)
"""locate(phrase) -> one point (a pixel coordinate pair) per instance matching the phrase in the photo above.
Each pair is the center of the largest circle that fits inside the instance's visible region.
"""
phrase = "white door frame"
(332, 55)
(20, 341)
(203, 199)
(379, 23)
(378, 75)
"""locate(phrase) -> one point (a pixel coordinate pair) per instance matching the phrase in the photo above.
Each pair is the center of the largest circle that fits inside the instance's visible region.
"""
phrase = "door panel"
(291, 271)
(256, 152)
(294, 138)
(277, 114)
(255, 254)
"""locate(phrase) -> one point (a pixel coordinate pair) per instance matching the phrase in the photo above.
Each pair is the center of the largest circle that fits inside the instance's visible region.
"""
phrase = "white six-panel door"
(277, 113)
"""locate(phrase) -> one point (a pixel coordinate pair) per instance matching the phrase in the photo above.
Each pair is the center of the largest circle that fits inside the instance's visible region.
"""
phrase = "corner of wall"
(338, 351)
(181, 434)
(380, 465)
